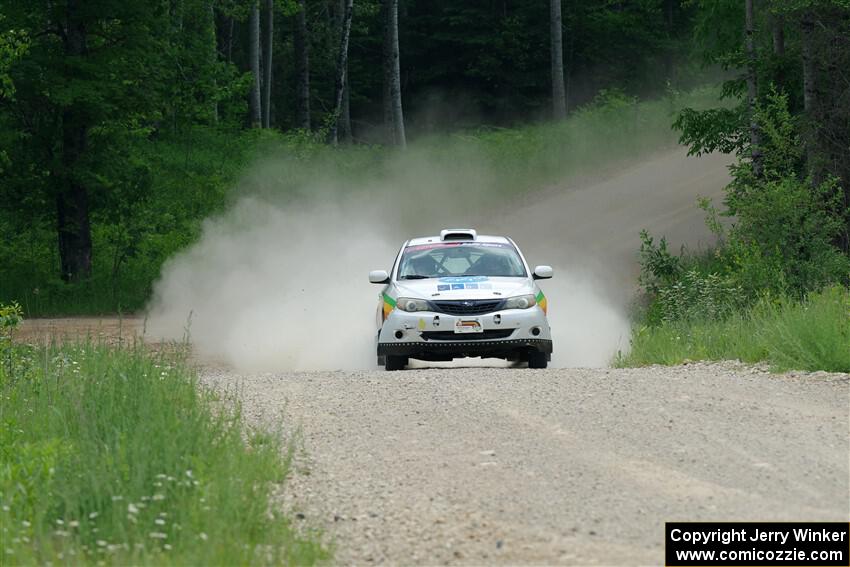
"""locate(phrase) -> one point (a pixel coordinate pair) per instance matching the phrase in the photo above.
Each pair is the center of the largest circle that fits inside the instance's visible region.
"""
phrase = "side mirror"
(543, 272)
(379, 276)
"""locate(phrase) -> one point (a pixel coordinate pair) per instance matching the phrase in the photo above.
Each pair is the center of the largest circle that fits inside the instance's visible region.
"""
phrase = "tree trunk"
(213, 39)
(387, 99)
(341, 67)
(778, 36)
(231, 23)
(302, 64)
(345, 133)
(559, 93)
(810, 102)
(392, 74)
(72, 201)
(752, 88)
(267, 65)
(254, 56)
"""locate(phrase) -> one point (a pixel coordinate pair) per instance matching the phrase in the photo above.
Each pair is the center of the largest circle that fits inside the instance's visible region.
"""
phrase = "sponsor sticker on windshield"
(464, 279)
(444, 287)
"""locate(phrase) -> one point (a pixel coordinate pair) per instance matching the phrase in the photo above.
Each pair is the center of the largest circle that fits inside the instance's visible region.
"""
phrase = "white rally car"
(461, 294)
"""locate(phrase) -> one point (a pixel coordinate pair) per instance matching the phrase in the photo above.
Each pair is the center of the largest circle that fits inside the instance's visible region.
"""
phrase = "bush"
(781, 242)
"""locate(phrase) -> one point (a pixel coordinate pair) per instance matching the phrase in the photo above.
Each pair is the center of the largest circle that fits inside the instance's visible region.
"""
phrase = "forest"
(125, 124)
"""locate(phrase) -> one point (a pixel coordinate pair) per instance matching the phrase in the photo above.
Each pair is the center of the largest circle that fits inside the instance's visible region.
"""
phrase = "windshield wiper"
(415, 277)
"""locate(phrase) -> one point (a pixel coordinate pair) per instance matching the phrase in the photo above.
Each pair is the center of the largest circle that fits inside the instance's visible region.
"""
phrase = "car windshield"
(460, 259)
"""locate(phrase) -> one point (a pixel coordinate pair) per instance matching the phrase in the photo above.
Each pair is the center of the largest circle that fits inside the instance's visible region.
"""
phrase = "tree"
(72, 198)
(341, 70)
(752, 87)
(559, 94)
(254, 56)
(392, 76)
(301, 46)
(267, 64)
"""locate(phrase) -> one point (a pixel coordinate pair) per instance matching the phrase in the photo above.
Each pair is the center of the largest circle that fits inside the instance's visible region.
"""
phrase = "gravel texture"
(559, 466)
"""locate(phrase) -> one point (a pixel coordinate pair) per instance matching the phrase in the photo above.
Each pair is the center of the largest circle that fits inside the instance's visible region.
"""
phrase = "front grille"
(452, 336)
(469, 307)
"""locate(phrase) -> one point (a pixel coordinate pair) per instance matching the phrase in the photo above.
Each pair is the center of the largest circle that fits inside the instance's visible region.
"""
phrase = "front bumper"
(427, 335)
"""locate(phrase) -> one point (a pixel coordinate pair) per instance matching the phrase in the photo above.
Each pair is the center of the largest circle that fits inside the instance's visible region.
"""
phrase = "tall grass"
(119, 456)
(813, 334)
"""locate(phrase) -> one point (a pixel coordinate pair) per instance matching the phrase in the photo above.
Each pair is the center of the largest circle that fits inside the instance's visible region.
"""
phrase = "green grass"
(193, 175)
(813, 334)
(117, 455)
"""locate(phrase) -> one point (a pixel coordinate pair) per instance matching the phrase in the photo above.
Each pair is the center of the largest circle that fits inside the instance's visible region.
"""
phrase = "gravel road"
(562, 466)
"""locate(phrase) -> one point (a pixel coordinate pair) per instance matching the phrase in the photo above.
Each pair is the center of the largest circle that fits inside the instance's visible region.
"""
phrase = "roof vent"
(458, 234)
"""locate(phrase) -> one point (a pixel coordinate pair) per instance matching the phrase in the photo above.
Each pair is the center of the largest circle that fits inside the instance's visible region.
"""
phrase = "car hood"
(464, 287)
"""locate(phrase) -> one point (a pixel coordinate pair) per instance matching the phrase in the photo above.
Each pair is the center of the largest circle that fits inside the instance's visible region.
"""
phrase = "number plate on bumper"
(463, 326)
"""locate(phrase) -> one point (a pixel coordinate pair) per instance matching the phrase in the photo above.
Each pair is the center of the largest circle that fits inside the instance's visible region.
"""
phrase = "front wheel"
(395, 362)
(537, 359)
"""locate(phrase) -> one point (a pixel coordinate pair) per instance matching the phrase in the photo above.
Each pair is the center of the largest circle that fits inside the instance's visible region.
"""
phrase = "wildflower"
(74, 524)
(93, 515)
(161, 476)
(101, 543)
(25, 524)
(61, 533)
(189, 473)
(203, 536)
(167, 546)
(159, 496)
(117, 498)
(60, 522)
(159, 522)
(131, 508)
(157, 535)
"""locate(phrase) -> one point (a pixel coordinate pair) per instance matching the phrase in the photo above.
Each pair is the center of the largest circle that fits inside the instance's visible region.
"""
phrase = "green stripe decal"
(540, 297)
(389, 300)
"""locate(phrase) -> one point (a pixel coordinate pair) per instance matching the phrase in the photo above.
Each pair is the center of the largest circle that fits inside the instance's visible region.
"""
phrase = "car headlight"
(520, 302)
(410, 305)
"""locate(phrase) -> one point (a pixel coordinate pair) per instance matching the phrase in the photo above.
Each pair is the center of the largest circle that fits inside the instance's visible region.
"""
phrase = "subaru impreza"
(461, 294)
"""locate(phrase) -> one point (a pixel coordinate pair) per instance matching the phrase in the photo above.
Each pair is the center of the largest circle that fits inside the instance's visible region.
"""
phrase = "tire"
(395, 362)
(537, 359)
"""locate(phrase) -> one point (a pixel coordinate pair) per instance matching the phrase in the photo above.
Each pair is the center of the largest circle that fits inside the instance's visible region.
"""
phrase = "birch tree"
(254, 56)
(392, 75)
(345, 115)
(341, 68)
(301, 46)
(267, 64)
(559, 94)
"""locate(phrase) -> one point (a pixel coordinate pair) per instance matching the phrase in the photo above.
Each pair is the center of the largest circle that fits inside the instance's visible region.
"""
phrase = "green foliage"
(786, 229)
(812, 334)
(782, 240)
(120, 457)
(697, 296)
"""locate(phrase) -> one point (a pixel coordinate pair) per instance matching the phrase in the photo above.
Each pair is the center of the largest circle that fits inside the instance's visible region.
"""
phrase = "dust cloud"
(279, 282)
